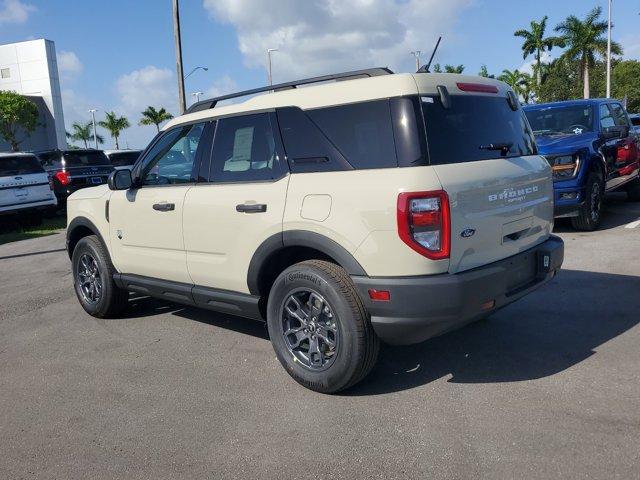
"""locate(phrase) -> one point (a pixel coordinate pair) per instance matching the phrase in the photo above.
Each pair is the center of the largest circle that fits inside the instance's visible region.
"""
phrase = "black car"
(71, 170)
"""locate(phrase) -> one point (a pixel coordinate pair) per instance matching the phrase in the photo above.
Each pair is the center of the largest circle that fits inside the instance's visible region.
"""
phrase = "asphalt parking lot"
(546, 388)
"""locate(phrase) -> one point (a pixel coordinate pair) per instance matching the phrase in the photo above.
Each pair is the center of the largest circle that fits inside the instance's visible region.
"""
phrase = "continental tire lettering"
(293, 276)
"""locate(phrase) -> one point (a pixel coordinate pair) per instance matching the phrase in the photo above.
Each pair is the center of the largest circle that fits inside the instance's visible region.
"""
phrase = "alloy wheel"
(89, 279)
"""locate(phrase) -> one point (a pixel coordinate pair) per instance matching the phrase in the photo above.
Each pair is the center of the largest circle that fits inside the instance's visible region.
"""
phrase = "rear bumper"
(22, 208)
(423, 307)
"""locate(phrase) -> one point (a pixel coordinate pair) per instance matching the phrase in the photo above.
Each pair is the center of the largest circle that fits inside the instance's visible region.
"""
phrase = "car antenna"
(425, 68)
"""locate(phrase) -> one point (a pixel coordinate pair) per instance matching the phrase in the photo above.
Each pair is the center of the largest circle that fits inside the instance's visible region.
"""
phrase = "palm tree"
(115, 125)
(151, 116)
(585, 39)
(527, 87)
(515, 79)
(83, 132)
(536, 43)
(484, 72)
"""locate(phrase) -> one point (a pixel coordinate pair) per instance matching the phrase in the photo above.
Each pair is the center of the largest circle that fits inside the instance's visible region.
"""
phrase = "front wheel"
(319, 327)
(590, 213)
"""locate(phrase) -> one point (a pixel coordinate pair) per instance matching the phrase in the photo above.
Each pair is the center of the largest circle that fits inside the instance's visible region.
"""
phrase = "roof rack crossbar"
(369, 72)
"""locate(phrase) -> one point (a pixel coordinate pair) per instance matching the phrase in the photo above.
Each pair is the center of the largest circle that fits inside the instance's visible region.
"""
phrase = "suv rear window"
(82, 159)
(467, 130)
(19, 165)
(123, 159)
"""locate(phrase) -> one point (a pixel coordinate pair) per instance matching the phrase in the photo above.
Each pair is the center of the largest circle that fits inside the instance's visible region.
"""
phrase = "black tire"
(111, 300)
(633, 190)
(590, 214)
(357, 345)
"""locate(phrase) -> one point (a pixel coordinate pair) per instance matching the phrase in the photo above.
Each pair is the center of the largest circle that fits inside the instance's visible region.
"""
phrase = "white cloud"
(69, 65)
(320, 36)
(14, 11)
(527, 67)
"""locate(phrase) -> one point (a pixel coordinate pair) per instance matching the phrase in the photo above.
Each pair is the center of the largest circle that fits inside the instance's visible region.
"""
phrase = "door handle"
(251, 208)
(164, 207)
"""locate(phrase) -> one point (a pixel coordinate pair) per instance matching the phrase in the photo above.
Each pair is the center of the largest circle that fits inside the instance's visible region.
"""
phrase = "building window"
(5, 73)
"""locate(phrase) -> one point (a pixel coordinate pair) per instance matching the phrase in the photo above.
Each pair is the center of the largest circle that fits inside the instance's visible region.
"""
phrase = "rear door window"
(606, 118)
(19, 165)
(475, 128)
(619, 115)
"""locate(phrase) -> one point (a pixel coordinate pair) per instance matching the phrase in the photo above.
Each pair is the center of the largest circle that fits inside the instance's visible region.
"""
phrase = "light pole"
(197, 95)
(269, 50)
(609, 55)
(195, 68)
(178, 46)
(95, 134)
(417, 55)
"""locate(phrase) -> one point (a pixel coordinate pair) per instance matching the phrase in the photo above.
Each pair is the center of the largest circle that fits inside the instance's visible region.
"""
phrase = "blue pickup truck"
(592, 149)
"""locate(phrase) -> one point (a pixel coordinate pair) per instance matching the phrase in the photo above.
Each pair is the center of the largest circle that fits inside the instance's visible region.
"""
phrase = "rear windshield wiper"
(503, 148)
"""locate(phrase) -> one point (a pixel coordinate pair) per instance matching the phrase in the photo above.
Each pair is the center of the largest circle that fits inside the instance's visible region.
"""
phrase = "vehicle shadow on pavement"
(553, 329)
(617, 211)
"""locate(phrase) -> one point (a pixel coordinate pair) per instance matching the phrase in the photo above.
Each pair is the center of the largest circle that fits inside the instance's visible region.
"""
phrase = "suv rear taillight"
(424, 223)
(63, 177)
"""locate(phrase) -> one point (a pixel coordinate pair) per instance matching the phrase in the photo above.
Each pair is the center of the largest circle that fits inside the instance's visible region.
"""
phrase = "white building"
(31, 69)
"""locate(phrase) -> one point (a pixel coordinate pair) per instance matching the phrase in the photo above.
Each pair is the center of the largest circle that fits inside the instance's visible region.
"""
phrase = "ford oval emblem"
(467, 232)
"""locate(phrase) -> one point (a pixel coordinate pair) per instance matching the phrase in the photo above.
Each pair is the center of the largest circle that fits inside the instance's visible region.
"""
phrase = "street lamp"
(194, 69)
(269, 50)
(93, 119)
(609, 55)
(197, 95)
(417, 55)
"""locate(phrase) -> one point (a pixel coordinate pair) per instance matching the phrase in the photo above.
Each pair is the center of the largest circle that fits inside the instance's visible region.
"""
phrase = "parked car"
(592, 150)
(71, 170)
(635, 123)
(25, 189)
(122, 158)
(333, 212)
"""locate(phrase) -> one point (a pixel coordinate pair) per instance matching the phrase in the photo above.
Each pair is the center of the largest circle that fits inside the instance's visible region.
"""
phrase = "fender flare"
(81, 222)
(299, 238)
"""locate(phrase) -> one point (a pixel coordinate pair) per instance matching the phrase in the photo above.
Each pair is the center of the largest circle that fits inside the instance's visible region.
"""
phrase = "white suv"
(25, 189)
(389, 207)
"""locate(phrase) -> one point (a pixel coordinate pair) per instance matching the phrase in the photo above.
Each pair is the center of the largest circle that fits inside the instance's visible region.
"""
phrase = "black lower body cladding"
(423, 307)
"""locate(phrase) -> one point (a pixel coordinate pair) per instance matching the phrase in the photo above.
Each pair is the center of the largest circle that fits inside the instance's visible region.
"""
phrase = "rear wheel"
(93, 279)
(590, 213)
(633, 190)
(319, 327)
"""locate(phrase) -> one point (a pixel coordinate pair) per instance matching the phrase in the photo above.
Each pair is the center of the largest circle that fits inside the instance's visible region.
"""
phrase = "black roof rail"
(368, 72)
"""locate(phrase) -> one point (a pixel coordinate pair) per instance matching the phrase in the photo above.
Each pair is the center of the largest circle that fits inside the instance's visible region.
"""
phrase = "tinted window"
(170, 160)
(123, 159)
(408, 131)
(361, 131)
(619, 115)
(606, 119)
(308, 149)
(560, 119)
(635, 121)
(51, 160)
(84, 158)
(245, 150)
(474, 128)
(19, 165)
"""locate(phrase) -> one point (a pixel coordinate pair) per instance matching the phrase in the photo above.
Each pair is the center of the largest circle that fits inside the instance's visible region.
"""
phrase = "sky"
(119, 54)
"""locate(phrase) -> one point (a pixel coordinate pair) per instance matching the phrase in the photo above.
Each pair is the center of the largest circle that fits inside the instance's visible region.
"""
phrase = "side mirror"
(120, 180)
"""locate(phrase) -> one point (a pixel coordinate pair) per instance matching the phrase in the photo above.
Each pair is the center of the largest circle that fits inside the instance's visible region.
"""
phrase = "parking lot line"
(632, 224)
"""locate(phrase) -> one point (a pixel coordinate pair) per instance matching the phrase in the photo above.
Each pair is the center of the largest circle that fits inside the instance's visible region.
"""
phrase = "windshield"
(82, 159)
(475, 128)
(567, 120)
(123, 159)
(19, 165)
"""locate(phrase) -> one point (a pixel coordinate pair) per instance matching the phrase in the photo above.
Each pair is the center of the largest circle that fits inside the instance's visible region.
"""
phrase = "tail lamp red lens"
(477, 87)
(424, 223)
(63, 178)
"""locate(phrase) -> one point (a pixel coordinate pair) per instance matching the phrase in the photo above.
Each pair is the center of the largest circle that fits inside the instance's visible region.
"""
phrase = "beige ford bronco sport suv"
(368, 207)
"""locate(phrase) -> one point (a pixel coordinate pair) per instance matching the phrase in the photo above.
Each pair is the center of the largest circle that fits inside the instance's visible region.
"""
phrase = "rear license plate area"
(21, 192)
(522, 271)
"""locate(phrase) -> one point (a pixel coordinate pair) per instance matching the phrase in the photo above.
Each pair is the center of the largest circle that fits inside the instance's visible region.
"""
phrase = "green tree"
(585, 41)
(151, 116)
(515, 79)
(454, 69)
(83, 132)
(535, 43)
(115, 125)
(625, 82)
(437, 68)
(17, 114)
(484, 72)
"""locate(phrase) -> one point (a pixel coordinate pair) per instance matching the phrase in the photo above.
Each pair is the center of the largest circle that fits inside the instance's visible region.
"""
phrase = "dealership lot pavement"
(546, 388)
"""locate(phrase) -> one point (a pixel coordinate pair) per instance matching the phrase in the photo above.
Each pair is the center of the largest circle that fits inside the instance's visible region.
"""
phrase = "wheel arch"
(79, 228)
(287, 248)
